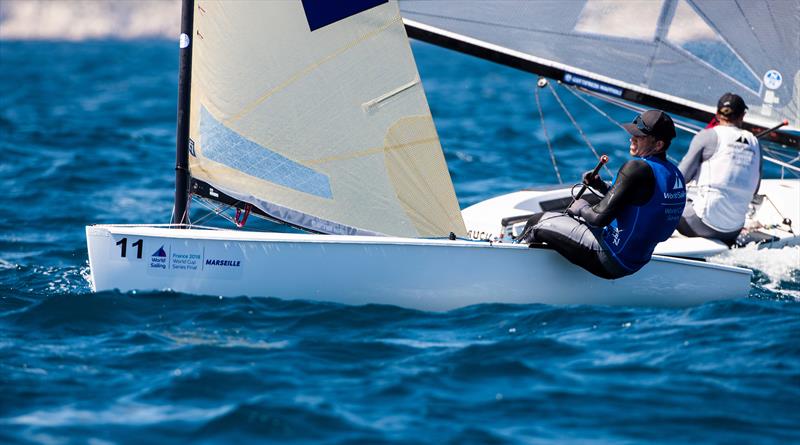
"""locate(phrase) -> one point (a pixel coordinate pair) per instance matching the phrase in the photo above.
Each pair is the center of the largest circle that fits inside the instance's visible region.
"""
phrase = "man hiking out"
(617, 236)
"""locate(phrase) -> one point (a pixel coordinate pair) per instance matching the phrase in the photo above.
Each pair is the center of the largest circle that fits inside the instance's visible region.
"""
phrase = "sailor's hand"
(577, 206)
(593, 181)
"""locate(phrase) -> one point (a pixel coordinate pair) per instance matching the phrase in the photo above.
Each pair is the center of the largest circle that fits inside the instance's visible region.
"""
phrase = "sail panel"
(321, 123)
(684, 51)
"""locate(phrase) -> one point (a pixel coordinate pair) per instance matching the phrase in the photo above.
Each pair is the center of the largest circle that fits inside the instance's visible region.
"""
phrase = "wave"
(76, 20)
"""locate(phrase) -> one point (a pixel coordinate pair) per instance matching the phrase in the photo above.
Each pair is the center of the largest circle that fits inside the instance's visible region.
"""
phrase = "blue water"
(87, 136)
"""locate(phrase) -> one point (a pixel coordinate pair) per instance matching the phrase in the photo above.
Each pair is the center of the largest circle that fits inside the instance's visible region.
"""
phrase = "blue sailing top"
(632, 236)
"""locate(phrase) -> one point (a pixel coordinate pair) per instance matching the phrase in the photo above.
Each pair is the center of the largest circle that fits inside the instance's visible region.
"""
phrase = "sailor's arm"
(634, 186)
(700, 149)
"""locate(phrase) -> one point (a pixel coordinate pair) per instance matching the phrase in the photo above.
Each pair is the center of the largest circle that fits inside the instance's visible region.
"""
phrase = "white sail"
(687, 52)
(317, 116)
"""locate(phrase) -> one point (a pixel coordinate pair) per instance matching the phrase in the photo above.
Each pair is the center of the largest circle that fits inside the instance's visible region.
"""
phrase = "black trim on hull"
(205, 190)
(558, 74)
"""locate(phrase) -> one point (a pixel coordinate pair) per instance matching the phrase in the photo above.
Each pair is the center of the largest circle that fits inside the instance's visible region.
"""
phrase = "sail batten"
(678, 55)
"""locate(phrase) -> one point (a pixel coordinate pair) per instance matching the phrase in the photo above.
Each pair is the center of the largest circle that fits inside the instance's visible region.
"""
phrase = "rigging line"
(547, 137)
(213, 211)
(586, 101)
(185, 216)
(721, 36)
(785, 219)
(218, 211)
(575, 123)
(787, 157)
(782, 164)
(681, 124)
(572, 90)
(689, 128)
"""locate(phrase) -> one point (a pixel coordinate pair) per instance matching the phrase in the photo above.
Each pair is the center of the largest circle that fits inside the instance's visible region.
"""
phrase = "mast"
(180, 213)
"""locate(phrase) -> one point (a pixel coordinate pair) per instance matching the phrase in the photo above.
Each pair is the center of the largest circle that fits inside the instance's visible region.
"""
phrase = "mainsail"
(316, 115)
(679, 55)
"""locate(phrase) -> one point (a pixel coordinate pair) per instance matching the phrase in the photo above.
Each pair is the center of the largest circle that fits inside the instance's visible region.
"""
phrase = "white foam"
(89, 19)
(119, 414)
(779, 265)
(222, 341)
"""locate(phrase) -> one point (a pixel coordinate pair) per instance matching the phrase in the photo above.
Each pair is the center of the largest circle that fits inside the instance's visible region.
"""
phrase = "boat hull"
(420, 274)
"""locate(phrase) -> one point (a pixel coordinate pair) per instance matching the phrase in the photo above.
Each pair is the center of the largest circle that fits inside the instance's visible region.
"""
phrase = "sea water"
(87, 136)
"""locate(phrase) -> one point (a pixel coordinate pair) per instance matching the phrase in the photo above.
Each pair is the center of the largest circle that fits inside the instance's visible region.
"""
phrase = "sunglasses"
(642, 126)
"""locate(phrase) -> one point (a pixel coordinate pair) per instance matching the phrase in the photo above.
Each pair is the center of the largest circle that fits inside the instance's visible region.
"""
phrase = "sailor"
(617, 236)
(725, 164)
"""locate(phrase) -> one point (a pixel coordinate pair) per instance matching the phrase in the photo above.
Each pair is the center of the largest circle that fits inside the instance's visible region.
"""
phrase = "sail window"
(692, 33)
(635, 19)
(223, 145)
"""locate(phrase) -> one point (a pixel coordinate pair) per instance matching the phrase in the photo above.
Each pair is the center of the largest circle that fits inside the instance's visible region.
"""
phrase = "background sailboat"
(676, 55)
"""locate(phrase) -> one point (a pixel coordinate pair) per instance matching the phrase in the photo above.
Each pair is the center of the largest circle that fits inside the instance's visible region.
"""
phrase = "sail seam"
(721, 36)
(716, 70)
(308, 69)
(370, 151)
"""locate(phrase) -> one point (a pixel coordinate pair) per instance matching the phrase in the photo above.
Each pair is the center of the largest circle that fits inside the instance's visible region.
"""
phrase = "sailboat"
(632, 53)
(315, 116)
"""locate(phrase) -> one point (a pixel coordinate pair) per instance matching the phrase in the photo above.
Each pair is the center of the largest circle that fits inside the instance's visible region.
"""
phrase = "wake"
(780, 266)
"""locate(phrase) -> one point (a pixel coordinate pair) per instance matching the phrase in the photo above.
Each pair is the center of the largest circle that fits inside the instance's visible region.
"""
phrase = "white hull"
(483, 220)
(413, 273)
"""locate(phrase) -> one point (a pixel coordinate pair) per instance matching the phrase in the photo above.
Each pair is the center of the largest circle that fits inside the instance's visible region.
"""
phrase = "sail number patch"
(321, 13)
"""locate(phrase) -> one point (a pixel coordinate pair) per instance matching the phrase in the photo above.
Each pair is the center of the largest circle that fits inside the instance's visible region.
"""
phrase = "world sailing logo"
(677, 190)
(159, 259)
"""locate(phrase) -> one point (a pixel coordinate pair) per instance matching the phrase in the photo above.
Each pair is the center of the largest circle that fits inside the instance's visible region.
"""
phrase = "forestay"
(317, 116)
(685, 52)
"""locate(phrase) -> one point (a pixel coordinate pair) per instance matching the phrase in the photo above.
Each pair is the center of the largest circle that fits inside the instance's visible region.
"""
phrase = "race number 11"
(123, 247)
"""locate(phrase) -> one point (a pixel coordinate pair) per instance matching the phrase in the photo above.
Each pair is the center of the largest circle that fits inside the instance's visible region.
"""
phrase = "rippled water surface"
(87, 136)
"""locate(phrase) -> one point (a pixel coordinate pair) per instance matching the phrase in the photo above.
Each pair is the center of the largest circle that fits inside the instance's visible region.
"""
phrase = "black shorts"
(577, 242)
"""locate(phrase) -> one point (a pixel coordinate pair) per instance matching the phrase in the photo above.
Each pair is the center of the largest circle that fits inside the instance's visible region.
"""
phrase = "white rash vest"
(725, 162)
